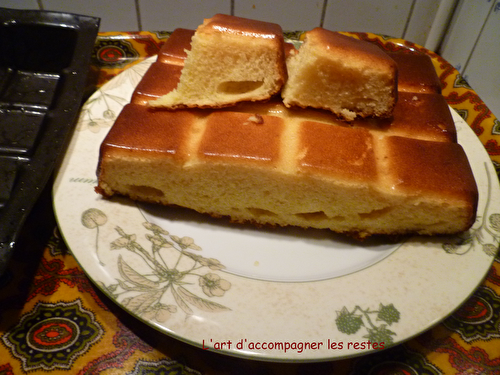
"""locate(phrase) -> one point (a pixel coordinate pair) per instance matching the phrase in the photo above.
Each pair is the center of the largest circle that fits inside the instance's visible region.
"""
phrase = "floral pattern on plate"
(144, 293)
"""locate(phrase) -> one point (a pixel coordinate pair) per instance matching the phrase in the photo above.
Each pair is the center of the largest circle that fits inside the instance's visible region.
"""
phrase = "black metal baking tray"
(44, 63)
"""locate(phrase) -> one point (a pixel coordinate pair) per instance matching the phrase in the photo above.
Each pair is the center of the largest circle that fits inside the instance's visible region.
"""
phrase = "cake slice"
(350, 77)
(270, 170)
(231, 59)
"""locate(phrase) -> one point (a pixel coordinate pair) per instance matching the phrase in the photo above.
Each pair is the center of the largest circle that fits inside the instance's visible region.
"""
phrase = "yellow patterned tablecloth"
(53, 319)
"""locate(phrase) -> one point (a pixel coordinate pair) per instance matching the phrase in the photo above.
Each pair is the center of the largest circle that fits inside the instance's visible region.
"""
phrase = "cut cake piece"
(231, 59)
(423, 115)
(350, 77)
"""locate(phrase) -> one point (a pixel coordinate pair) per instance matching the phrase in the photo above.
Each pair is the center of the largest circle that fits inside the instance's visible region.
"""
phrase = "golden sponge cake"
(231, 59)
(269, 164)
(350, 77)
(265, 170)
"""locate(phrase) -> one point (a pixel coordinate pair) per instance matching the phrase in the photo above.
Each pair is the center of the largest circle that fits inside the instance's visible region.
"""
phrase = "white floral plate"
(282, 295)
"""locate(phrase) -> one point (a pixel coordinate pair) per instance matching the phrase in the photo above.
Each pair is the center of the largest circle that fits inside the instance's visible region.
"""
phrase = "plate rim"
(240, 354)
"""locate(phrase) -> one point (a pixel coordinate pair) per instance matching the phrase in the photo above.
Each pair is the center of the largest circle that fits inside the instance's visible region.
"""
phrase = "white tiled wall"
(171, 14)
(468, 42)
(19, 4)
(472, 46)
(410, 19)
(483, 68)
(290, 14)
(387, 17)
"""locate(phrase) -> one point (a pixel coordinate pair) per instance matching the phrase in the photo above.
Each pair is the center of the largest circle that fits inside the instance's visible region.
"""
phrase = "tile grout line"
(408, 18)
(138, 14)
(323, 13)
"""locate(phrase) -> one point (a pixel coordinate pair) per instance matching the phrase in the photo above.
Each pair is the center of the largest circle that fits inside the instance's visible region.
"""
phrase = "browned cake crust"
(416, 73)
(173, 51)
(364, 52)
(271, 165)
(230, 25)
(415, 115)
(408, 162)
(159, 79)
